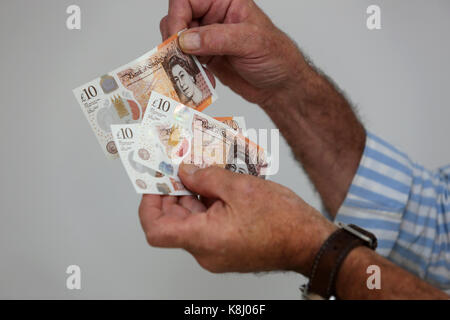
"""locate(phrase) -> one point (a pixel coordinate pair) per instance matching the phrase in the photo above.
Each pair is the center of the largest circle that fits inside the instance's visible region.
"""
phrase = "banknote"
(172, 133)
(144, 179)
(121, 96)
(234, 122)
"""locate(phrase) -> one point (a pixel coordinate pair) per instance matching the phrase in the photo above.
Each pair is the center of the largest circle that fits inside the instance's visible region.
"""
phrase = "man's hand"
(239, 44)
(242, 47)
(244, 224)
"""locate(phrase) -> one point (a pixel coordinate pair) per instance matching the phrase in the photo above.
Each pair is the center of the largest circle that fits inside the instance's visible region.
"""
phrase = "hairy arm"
(396, 283)
(322, 130)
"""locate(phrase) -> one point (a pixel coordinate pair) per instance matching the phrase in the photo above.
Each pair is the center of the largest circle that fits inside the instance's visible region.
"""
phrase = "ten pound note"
(121, 96)
(144, 179)
(172, 133)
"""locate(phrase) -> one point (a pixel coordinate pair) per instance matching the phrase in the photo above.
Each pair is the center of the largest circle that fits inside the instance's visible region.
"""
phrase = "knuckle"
(214, 41)
(245, 8)
(162, 23)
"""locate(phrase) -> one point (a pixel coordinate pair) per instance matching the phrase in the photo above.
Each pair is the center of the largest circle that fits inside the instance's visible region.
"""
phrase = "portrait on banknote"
(186, 78)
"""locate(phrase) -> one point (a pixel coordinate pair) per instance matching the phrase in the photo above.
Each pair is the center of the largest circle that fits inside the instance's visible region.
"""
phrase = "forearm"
(321, 128)
(352, 278)
(395, 283)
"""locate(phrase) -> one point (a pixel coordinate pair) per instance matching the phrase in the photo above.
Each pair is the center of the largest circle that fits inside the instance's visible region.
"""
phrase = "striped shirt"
(406, 206)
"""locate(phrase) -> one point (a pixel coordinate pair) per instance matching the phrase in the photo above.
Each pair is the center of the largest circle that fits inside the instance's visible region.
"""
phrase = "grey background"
(63, 203)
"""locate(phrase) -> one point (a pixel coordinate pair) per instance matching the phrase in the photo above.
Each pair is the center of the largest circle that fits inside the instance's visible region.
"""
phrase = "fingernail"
(190, 41)
(189, 169)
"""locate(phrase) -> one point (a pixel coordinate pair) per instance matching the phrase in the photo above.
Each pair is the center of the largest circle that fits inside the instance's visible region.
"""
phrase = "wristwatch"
(326, 265)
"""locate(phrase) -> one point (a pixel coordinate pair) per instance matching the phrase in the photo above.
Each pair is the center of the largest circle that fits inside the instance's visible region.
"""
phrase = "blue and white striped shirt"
(406, 206)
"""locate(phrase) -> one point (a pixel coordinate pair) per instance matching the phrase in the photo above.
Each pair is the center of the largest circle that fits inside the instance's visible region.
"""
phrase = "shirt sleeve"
(406, 206)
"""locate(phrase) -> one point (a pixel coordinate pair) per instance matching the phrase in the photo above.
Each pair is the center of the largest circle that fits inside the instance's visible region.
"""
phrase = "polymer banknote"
(172, 133)
(121, 96)
(144, 179)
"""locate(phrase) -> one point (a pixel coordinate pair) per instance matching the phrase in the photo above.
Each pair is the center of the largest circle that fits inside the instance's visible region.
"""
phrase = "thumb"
(220, 39)
(211, 182)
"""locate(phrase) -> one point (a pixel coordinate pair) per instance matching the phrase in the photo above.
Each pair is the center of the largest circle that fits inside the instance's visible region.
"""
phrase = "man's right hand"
(238, 43)
(249, 54)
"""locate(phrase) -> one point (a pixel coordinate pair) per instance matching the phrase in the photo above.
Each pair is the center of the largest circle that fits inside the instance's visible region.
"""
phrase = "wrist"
(332, 254)
(356, 261)
(308, 241)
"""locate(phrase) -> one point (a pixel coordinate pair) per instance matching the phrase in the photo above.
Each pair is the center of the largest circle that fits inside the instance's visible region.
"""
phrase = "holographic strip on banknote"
(172, 133)
(121, 96)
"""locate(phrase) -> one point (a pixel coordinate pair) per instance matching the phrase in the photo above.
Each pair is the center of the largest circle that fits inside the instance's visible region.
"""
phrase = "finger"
(168, 201)
(176, 210)
(182, 12)
(164, 28)
(150, 202)
(175, 232)
(192, 204)
(150, 208)
(221, 39)
(217, 12)
(212, 182)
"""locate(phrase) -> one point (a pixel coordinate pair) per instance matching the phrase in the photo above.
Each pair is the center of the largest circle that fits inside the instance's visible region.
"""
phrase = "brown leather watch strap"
(331, 255)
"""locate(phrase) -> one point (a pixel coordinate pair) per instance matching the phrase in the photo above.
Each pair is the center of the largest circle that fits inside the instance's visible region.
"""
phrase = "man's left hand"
(242, 224)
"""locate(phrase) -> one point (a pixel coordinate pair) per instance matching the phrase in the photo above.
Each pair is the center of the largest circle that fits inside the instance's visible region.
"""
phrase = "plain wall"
(62, 202)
